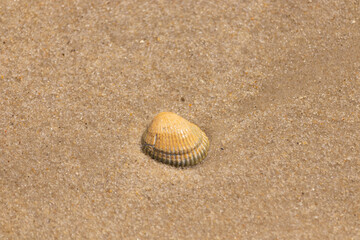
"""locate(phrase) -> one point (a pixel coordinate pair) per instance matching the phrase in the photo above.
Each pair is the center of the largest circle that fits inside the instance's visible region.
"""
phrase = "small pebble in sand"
(173, 140)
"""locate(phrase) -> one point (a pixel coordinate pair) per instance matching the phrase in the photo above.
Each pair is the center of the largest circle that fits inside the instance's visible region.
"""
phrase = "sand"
(274, 84)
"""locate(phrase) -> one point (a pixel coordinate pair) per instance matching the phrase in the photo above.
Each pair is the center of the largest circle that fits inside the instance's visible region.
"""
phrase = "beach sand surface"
(275, 85)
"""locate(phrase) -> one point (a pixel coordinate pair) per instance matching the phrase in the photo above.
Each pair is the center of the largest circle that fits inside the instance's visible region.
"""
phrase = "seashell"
(173, 140)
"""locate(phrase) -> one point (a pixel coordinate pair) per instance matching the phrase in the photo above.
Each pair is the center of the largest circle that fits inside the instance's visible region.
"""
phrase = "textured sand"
(274, 84)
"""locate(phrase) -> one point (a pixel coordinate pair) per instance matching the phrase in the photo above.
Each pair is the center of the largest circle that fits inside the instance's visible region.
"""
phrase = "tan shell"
(173, 140)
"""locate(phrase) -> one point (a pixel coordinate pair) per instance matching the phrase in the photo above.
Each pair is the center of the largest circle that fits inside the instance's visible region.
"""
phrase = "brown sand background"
(275, 84)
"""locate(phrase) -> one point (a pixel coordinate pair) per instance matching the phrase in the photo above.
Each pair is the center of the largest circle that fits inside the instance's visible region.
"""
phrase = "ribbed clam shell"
(173, 140)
